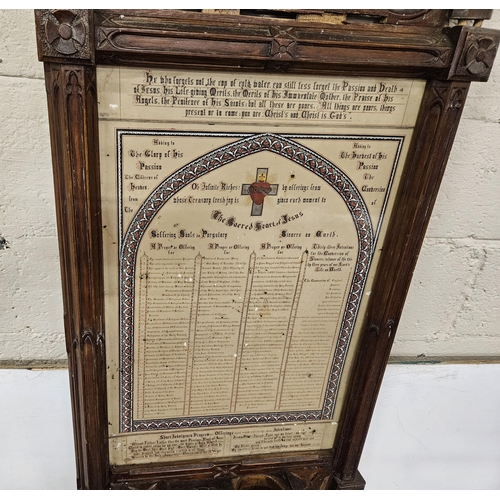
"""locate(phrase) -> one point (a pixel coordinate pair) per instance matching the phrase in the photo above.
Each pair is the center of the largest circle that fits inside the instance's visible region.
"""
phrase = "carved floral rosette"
(194, 170)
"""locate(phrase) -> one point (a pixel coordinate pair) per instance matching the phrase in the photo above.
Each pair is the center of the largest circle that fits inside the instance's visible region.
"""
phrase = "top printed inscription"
(232, 97)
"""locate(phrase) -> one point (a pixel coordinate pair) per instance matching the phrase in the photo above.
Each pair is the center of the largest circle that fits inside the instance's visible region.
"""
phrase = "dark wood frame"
(414, 44)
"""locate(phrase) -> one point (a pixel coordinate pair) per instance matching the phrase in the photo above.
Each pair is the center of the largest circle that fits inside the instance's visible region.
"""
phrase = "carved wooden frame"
(416, 44)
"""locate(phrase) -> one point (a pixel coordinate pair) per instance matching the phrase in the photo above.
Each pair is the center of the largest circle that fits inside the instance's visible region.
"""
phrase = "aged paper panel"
(243, 220)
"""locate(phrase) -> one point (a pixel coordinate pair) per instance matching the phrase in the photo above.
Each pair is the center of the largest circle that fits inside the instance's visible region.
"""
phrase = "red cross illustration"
(258, 190)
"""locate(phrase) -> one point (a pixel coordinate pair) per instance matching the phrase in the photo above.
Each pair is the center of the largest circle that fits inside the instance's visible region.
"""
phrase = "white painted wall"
(31, 315)
(453, 306)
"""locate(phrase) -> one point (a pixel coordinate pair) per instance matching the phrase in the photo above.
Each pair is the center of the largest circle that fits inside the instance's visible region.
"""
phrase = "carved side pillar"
(65, 47)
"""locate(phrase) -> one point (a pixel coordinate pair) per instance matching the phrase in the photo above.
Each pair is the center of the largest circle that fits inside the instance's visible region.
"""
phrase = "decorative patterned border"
(207, 163)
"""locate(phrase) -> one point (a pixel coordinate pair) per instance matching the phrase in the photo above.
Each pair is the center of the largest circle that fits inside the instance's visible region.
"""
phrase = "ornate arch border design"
(207, 163)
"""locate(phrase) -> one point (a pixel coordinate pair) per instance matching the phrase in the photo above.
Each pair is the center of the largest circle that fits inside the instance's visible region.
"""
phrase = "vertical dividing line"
(192, 333)
(241, 333)
(226, 445)
(342, 309)
(119, 155)
(291, 325)
(142, 330)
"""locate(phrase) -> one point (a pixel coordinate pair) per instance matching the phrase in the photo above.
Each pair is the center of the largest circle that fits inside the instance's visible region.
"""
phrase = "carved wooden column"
(66, 45)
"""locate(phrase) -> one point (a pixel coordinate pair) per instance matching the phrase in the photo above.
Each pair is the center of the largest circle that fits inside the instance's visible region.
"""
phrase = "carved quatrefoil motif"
(67, 35)
(480, 55)
(284, 45)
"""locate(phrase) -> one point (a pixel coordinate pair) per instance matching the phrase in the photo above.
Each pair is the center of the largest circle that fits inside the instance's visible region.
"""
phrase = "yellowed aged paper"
(243, 218)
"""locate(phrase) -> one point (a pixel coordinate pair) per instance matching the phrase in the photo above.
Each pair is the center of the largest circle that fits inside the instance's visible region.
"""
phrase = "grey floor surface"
(435, 427)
